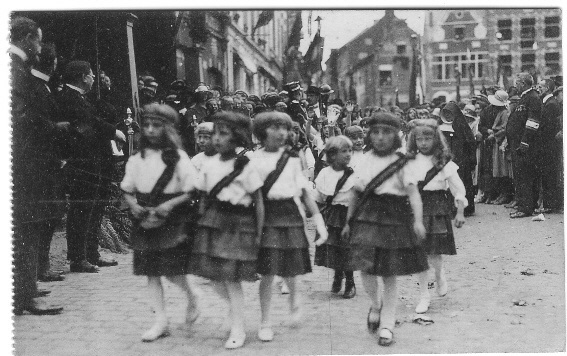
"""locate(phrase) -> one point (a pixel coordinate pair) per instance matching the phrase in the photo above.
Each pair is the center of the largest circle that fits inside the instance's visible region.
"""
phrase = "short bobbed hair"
(334, 145)
(266, 119)
(239, 125)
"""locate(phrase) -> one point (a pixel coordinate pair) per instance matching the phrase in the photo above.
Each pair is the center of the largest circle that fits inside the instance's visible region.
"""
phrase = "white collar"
(525, 92)
(36, 73)
(19, 52)
(77, 89)
(545, 98)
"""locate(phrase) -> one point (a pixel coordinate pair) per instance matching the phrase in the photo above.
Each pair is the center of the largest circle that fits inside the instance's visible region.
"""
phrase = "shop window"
(506, 65)
(552, 27)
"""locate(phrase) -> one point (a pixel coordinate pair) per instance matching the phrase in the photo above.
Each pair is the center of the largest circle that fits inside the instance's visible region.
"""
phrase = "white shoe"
(441, 287)
(235, 340)
(265, 333)
(157, 331)
(423, 305)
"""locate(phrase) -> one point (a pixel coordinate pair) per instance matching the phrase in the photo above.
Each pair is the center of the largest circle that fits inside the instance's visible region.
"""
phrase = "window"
(445, 67)
(528, 61)
(552, 61)
(527, 44)
(459, 33)
(401, 49)
(505, 65)
(504, 30)
(552, 27)
(527, 28)
(385, 77)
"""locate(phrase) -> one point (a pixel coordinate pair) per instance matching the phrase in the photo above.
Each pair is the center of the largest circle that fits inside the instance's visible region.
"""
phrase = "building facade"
(374, 65)
(230, 52)
(470, 49)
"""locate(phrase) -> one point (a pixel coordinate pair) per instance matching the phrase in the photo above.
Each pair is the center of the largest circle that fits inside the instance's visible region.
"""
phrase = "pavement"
(506, 294)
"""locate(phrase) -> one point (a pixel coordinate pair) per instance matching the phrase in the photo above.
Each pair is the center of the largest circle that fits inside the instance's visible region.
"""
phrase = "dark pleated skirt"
(437, 213)
(284, 249)
(225, 246)
(382, 238)
(336, 252)
(172, 261)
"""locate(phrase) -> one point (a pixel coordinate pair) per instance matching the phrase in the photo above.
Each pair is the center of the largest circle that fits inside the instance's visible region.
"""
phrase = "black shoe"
(105, 263)
(42, 293)
(50, 276)
(83, 267)
(350, 290)
(337, 285)
(38, 308)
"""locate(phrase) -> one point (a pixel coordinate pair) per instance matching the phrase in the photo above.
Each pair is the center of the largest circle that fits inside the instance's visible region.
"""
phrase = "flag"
(263, 19)
(294, 37)
(314, 55)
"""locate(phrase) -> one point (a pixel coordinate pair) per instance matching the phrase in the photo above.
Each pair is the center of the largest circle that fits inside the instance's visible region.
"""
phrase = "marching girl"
(356, 135)
(205, 143)
(156, 186)
(384, 222)
(334, 190)
(226, 242)
(435, 172)
(284, 248)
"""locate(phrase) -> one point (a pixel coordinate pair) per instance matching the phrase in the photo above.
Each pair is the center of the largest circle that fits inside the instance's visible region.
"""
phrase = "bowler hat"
(325, 89)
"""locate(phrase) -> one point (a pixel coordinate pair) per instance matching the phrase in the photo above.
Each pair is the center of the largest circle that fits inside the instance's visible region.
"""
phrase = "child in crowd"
(156, 186)
(385, 223)
(205, 143)
(356, 135)
(435, 172)
(284, 248)
(334, 189)
(226, 242)
(298, 142)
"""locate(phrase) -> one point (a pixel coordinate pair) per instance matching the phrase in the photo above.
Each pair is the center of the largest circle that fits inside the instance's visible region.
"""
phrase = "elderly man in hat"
(521, 131)
(551, 116)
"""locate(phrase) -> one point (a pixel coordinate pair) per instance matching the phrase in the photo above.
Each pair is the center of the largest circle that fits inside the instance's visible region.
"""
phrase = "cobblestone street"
(106, 313)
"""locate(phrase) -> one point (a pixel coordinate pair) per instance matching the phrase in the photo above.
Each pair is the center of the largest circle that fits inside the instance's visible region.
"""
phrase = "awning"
(248, 61)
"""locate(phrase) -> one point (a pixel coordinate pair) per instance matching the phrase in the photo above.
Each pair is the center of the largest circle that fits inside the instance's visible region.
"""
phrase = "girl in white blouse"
(226, 242)
(163, 250)
(333, 191)
(356, 135)
(284, 248)
(432, 158)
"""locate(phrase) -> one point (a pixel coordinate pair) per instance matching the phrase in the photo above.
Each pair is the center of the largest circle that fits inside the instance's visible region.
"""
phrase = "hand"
(321, 229)
(120, 136)
(419, 230)
(459, 220)
(164, 209)
(522, 149)
(345, 233)
(502, 148)
(64, 125)
(349, 106)
(138, 211)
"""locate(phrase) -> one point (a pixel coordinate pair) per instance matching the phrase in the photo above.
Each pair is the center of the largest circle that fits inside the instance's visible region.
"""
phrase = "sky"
(338, 27)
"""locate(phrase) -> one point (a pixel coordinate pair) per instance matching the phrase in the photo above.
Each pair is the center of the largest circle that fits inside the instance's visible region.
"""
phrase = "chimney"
(389, 14)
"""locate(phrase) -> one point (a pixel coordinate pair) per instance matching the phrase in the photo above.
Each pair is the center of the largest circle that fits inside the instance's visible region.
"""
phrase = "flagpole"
(132, 60)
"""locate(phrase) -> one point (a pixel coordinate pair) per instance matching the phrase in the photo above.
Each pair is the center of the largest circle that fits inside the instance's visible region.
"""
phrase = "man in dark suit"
(550, 125)
(30, 188)
(522, 130)
(89, 168)
(50, 138)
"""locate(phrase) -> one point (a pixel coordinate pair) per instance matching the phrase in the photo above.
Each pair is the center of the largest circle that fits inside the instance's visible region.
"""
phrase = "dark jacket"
(529, 107)
(90, 148)
(550, 123)
(461, 141)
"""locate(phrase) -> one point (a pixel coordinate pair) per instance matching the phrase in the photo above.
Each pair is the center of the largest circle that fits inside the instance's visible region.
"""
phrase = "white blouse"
(325, 185)
(448, 178)
(143, 173)
(290, 182)
(357, 158)
(373, 165)
(199, 160)
(239, 191)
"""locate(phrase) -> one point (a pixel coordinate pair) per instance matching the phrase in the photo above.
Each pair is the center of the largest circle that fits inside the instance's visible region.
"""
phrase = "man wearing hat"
(551, 116)
(325, 92)
(193, 117)
(294, 108)
(521, 131)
